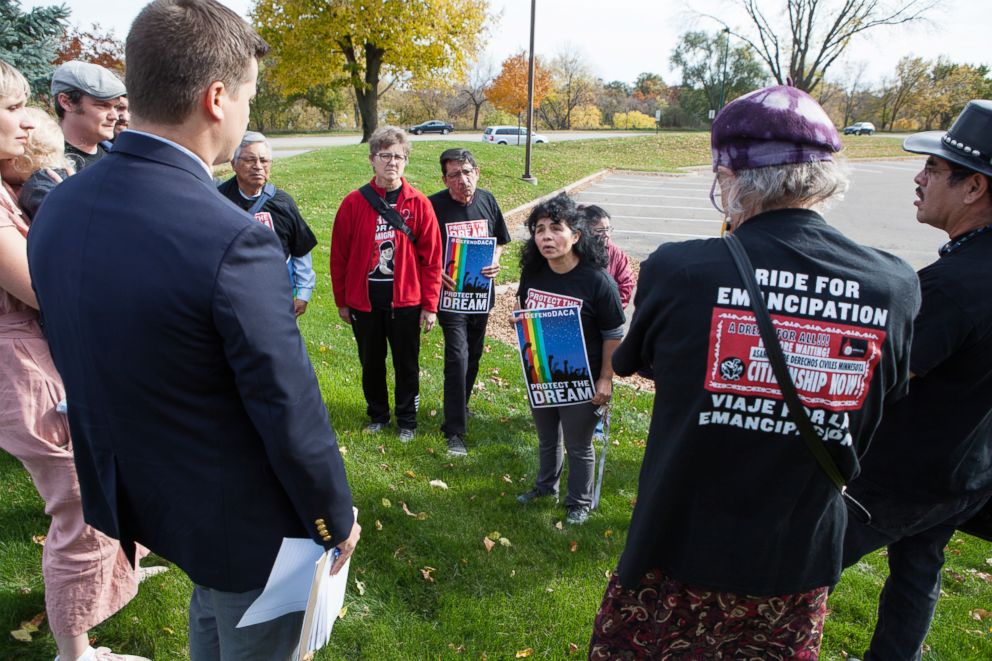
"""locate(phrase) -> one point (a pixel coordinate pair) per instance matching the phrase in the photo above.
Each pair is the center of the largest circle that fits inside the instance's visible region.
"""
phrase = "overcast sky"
(622, 38)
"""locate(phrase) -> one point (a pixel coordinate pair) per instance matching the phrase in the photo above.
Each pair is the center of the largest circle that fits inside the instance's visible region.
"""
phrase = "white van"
(510, 135)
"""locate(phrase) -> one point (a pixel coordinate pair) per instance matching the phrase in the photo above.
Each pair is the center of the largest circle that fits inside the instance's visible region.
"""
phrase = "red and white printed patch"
(468, 228)
(831, 364)
(544, 299)
(265, 218)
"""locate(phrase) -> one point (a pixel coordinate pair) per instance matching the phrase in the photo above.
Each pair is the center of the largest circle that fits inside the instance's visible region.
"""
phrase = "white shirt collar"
(203, 164)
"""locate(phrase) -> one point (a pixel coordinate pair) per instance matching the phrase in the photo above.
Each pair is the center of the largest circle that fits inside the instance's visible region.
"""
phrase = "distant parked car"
(433, 126)
(510, 135)
(860, 128)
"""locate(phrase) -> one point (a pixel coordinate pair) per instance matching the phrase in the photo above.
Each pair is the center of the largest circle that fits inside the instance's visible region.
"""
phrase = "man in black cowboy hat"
(929, 468)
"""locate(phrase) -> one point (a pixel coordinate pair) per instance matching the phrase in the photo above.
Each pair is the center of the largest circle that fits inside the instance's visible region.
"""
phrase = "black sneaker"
(534, 493)
(374, 427)
(406, 435)
(577, 515)
(456, 446)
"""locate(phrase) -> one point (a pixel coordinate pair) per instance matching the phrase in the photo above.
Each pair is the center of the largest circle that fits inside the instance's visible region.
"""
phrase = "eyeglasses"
(713, 197)
(388, 157)
(603, 231)
(931, 170)
(464, 172)
(264, 162)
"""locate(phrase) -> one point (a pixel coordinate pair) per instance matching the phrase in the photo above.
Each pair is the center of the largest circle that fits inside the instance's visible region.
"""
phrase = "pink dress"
(87, 577)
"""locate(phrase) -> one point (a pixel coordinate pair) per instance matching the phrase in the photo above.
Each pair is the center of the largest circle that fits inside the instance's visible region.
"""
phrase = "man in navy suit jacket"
(198, 426)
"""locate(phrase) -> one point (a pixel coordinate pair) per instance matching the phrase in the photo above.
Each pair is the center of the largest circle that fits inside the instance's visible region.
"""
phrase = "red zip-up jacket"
(417, 273)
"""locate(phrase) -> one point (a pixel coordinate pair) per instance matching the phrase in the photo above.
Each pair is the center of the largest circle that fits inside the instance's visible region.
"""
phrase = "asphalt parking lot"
(648, 210)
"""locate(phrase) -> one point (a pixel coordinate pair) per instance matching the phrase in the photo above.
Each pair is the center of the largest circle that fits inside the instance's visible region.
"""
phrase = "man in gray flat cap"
(85, 97)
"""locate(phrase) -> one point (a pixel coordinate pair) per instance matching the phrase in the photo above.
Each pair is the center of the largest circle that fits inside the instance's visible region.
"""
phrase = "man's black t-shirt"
(81, 159)
(481, 217)
(936, 443)
(729, 496)
(585, 286)
(279, 214)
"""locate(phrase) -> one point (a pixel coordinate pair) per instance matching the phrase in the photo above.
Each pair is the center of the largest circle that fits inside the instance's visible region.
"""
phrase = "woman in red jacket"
(387, 279)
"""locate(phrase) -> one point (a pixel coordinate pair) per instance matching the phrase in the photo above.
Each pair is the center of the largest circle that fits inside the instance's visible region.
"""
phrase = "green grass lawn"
(429, 588)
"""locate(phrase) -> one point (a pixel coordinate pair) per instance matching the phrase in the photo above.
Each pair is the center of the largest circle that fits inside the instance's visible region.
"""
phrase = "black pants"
(915, 536)
(400, 327)
(464, 337)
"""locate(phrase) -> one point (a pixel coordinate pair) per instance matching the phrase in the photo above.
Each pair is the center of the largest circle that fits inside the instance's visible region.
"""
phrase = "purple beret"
(776, 125)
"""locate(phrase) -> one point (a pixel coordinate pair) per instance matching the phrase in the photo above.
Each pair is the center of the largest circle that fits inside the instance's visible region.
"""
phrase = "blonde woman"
(87, 577)
(41, 167)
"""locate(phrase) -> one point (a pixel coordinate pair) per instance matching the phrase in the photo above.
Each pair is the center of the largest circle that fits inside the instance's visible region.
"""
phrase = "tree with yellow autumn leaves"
(339, 42)
(508, 91)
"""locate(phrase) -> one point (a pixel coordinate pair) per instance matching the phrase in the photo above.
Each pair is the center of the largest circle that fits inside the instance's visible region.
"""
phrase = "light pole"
(530, 96)
(723, 77)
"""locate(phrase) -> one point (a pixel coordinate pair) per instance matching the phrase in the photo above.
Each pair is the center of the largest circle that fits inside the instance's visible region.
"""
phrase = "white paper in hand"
(326, 600)
(288, 586)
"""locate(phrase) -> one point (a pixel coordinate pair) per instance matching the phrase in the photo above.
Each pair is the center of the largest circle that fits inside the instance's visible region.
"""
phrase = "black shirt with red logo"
(729, 497)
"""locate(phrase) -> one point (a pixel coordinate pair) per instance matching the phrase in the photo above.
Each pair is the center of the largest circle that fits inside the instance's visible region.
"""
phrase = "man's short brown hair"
(177, 48)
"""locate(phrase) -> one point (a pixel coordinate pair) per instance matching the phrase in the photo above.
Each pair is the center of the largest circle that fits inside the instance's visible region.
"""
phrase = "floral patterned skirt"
(665, 619)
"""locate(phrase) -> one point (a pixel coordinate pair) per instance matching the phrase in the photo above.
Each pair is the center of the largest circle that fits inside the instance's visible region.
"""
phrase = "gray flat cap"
(91, 79)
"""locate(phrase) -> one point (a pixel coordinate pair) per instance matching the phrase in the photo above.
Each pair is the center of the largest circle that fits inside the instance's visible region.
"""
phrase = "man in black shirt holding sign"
(464, 210)
(930, 466)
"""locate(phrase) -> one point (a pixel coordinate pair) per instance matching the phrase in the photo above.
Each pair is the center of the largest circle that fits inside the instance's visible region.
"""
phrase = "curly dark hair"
(561, 209)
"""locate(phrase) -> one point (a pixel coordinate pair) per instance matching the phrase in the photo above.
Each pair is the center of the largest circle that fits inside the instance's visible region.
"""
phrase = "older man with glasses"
(250, 189)
(464, 210)
(386, 275)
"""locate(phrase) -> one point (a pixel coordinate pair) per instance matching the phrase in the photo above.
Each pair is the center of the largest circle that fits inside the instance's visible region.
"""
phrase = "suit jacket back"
(197, 422)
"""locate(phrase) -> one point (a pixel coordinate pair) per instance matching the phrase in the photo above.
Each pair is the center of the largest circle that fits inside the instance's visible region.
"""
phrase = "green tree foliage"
(324, 43)
(29, 40)
(715, 70)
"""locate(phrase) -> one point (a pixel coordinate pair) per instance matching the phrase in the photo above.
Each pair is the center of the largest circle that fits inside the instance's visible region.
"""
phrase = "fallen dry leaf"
(488, 543)
(507, 478)
(39, 539)
(386, 502)
(456, 650)
(343, 449)
(513, 572)
(378, 524)
(608, 533)
(410, 474)
(573, 546)
(615, 442)
(504, 541)
(398, 552)
(440, 484)
(419, 516)
(980, 614)
(29, 627)
(384, 467)
(433, 412)
(168, 630)
(430, 450)
(494, 535)
(361, 587)
(988, 561)
(342, 612)
(382, 449)
(426, 573)
(559, 525)
(572, 648)
(523, 654)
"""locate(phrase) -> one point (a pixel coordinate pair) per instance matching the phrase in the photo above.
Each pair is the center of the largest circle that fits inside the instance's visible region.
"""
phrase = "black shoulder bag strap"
(389, 214)
(777, 360)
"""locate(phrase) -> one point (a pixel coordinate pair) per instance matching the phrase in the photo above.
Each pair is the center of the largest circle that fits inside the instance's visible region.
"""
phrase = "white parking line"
(677, 187)
(672, 220)
(695, 236)
(661, 206)
(640, 195)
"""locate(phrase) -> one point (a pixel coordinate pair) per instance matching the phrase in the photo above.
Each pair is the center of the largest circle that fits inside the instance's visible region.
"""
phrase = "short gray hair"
(386, 136)
(810, 184)
(251, 138)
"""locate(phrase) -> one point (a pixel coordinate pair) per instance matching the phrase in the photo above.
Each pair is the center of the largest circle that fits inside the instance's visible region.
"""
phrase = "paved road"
(293, 145)
(878, 210)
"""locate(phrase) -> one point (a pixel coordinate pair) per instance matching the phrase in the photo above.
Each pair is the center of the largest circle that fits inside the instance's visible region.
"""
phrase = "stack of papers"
(300, 581)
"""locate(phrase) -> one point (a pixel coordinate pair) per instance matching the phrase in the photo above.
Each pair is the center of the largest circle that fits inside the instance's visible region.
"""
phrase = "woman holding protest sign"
(562, 267)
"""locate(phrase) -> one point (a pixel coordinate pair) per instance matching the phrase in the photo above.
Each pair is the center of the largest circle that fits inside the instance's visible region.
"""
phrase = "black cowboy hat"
(968, 143)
